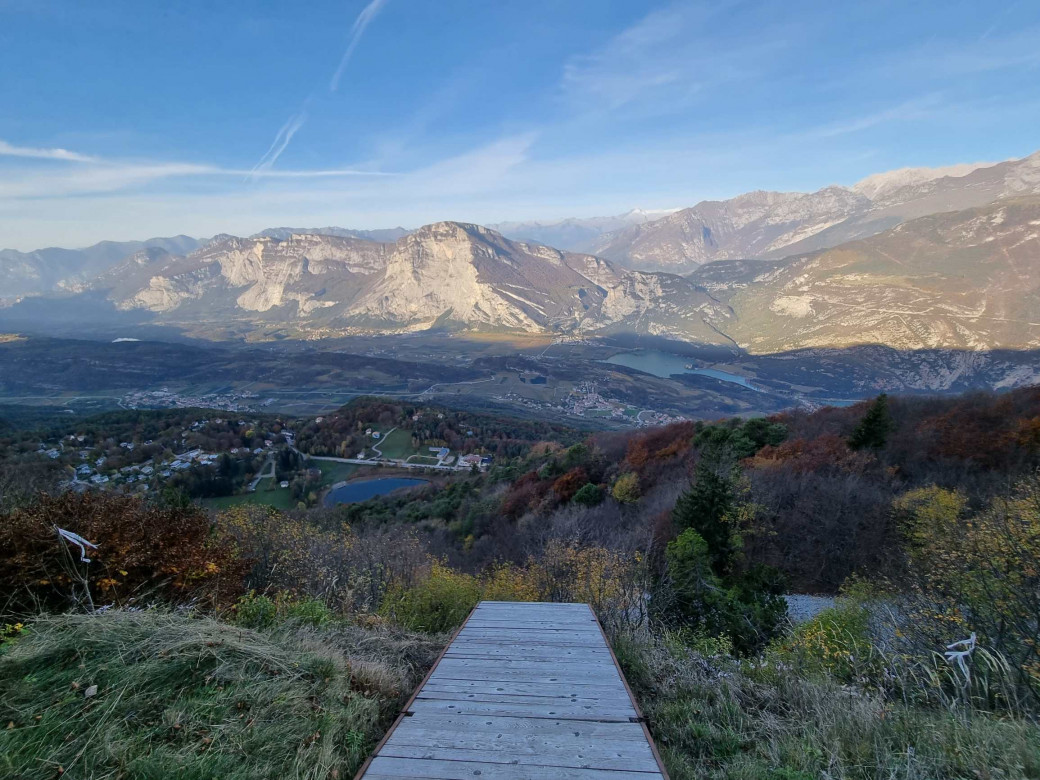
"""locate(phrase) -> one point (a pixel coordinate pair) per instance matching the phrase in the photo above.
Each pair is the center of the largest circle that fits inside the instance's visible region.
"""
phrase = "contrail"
(296, 121)
(281, 140)
(368, 13)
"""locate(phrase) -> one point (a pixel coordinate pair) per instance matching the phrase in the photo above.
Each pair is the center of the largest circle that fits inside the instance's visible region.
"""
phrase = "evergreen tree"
(706, 508)
(872, 431)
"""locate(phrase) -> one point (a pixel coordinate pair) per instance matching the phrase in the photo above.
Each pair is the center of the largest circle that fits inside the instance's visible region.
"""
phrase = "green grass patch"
(332, 472)
(424, 460)
(265, 494)
(713, 718)
(398, 444)
(157, 695)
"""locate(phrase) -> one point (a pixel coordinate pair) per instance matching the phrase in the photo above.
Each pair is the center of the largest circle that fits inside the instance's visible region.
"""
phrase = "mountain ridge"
(765, 225)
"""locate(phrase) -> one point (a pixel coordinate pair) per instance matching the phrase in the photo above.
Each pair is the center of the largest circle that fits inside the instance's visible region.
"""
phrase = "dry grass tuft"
(190, 697)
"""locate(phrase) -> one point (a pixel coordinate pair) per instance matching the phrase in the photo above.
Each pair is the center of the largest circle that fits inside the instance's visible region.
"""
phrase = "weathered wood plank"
(572, 756)
(526, 690)
(494, 697)
(528, 727)
(629, 741)
(582, 689)
(388, 766)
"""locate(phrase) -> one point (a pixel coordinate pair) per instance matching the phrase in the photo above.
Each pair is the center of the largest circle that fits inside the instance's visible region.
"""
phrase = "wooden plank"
(528, 649)
(582, 690)
(564, 746)
(393, 767)
(573, 756)
(526, 727)
(431, 692)
(524, 690)
(605, 712)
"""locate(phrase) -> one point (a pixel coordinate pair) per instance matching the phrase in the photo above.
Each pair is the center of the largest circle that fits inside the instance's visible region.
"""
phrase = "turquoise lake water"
(665, 365)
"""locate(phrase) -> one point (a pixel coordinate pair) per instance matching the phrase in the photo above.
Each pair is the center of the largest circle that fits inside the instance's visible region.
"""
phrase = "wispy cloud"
(37, 153)
(952, 59)
(906, 111)
(285, 135)
(85, 174)
(368, 13)
(668, 58)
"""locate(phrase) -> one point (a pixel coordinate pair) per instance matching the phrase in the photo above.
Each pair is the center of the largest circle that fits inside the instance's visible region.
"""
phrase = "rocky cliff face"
(47, 270)
(967, 280)
(763, 225)
(258, 274)
(445, 274)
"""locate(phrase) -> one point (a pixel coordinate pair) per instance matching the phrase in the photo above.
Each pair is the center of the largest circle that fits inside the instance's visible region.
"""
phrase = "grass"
(267, 492)
(192, 698)
(397, 445)
(713, 718)
(332, 472)
(424, 460)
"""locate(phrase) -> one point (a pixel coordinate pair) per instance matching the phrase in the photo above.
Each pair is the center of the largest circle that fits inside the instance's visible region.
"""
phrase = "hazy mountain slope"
(238, 275)
(750, 225)
(574, 233)
(44, 270)
(381, 235)
(967, 279)
(452, 272)
(443, 274)
(770, 224)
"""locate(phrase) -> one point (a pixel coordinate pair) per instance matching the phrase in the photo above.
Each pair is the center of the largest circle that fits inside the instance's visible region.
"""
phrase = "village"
(586, 401)
(215, 459)
(164, 398)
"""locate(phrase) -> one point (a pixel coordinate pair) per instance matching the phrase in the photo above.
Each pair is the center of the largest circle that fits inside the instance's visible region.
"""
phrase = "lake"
(364, 489)
(664, 364)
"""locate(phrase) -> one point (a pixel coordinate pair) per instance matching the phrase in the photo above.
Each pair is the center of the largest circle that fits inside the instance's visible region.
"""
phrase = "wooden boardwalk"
(525, 691)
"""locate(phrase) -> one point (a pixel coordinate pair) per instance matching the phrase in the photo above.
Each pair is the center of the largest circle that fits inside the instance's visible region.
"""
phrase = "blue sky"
(132, 119)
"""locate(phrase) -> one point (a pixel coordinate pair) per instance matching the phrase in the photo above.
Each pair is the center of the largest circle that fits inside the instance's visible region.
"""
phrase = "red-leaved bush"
(144, 552)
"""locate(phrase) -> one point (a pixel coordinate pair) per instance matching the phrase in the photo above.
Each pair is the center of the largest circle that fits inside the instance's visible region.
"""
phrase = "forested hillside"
(191, 637)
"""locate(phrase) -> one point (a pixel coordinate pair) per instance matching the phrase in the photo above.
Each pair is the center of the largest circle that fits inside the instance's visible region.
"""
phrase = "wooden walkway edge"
(524, 691)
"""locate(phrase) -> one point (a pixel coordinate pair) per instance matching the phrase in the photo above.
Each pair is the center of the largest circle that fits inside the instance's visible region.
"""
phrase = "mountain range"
(778, 224)
(914, 259)
(51, 269)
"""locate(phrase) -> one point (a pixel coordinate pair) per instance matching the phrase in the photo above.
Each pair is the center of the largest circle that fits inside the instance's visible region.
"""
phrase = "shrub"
(589, 495)
(836, 642)
(626, 488)
(510, 583)
(253, 611)
(974, 573)
(312, 612)
(747, 608)
(439, 602)
(143, 551)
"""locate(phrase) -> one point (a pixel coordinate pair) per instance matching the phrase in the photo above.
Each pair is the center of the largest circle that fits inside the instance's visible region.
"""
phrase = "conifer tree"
(706, 508)
(872, 431)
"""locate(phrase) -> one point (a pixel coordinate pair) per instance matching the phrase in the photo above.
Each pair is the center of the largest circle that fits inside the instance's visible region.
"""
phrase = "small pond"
(364, 489)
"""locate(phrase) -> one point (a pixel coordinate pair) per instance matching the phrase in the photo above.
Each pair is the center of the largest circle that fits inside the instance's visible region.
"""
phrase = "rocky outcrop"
(767, 225)
(966, 280)
(444, 274)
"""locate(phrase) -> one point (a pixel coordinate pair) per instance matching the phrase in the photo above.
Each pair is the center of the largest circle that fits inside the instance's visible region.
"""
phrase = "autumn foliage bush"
(974, 573)
(145, 551)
